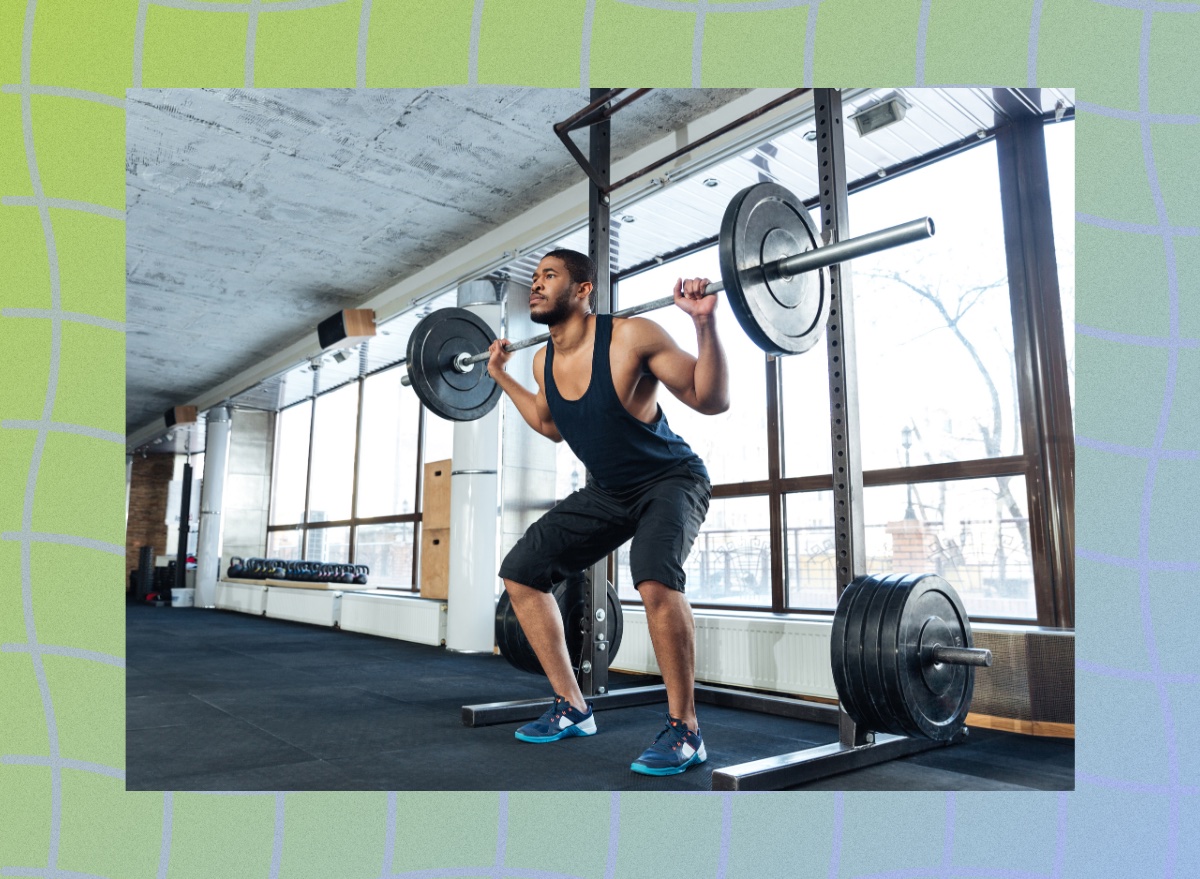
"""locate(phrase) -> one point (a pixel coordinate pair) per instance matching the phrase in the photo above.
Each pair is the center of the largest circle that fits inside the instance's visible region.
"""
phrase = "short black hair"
(580, 268)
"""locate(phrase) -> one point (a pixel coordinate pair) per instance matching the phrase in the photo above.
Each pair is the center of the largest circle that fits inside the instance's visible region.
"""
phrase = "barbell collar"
(811, 260)
(976, 656)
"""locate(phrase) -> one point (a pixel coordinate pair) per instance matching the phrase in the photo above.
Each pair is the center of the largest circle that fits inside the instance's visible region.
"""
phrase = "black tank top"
(618, 450)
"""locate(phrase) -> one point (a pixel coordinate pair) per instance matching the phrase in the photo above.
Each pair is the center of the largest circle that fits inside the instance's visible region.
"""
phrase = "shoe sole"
(642, 769)
(566, 733)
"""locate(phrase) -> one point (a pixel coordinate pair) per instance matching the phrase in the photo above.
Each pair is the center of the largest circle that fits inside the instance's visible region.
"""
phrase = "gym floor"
(226, 701)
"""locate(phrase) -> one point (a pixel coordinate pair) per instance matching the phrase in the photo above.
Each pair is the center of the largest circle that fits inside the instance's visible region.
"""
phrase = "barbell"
(903, 658)
(901, 649)
(770, 257)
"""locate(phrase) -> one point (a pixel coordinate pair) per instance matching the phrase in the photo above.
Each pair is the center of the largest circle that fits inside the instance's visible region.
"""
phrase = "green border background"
(64, 68)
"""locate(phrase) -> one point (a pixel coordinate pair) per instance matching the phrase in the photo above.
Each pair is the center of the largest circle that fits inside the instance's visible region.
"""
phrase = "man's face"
(551, 292)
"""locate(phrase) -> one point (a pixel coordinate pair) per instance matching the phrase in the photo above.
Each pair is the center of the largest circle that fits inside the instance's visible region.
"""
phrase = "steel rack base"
(811, 764)
(529, 709)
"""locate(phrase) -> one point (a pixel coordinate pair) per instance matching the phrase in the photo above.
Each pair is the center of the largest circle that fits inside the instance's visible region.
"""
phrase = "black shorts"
(662, 516)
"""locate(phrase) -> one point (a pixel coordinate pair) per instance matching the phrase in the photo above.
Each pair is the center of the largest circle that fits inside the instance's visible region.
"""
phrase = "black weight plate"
(764, 223)
(856, 632)
(895, 710)
(432, 348)
(872, 673)
(844, 619)
(933, 605)
(575, 605)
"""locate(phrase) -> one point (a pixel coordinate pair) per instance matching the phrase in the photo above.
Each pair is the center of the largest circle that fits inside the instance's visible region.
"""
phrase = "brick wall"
(147, 526)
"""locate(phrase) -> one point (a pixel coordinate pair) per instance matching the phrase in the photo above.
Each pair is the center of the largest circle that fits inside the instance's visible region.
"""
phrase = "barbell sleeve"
(808, 261)
(976, 656)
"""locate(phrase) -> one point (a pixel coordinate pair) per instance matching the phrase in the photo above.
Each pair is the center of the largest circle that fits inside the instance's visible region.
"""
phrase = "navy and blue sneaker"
(674, 749)
(561, 720)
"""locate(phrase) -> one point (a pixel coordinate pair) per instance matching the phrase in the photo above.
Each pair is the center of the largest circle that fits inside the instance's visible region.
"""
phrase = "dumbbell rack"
(856, 747)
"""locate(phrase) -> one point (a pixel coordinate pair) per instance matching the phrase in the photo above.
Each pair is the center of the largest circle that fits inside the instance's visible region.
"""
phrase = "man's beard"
(558, 312)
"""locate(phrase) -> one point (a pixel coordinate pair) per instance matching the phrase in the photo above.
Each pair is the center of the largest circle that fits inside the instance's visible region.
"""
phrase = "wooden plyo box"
(435, 562)
(435, 495)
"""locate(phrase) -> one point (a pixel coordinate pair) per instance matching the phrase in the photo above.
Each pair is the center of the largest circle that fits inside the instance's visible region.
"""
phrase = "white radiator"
(318, 607)
(402, 617)
(242, 597)
(781, 655)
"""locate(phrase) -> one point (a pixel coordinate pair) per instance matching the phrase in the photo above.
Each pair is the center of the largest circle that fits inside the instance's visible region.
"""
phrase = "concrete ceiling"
(252, 215)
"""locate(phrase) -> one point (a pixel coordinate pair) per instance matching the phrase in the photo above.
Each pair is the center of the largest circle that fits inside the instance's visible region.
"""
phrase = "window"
(335, 424)
(290, 479)
(933, 321)
(375, 509)
(387, 467)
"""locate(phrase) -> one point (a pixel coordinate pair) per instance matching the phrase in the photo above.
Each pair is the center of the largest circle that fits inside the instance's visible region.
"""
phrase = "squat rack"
(856, 746)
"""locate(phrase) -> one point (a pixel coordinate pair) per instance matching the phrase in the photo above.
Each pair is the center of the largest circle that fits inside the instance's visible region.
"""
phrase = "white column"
(474, 508)
(208, 543)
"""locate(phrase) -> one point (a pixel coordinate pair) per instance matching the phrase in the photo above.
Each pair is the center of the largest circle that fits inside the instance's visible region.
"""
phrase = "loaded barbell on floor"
(770, 257)
(901, 648)
(903, 658)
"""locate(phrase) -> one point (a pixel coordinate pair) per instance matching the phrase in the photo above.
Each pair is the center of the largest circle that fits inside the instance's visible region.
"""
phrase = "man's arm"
(701, 382)
(533, 407)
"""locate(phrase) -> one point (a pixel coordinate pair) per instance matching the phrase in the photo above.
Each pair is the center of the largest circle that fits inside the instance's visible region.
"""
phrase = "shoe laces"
(676, 727)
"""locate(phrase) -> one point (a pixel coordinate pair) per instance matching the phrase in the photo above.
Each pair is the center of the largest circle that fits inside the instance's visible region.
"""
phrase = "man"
(597, 381)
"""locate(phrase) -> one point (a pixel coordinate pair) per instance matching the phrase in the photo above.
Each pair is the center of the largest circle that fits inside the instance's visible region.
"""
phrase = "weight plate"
(432, 348)
(764, 223)
(574, 604)
(934, 610)
(890, 664)
(845, 619)
(856, 632)
(872, 673)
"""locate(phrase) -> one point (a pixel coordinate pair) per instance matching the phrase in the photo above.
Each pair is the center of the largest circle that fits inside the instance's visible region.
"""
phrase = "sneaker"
(674, 749)
(561, 720)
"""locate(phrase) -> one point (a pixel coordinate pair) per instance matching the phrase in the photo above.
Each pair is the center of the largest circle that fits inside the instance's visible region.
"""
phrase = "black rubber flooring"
(226, 701)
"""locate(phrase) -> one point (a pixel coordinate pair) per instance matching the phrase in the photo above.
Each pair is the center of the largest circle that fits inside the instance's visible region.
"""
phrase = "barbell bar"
(783, 269)
(770, 257)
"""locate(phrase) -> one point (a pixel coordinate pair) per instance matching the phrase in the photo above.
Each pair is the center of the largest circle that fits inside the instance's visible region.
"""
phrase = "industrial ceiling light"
(810, 136)
(890, 109)
(628, 218)
(711, 182)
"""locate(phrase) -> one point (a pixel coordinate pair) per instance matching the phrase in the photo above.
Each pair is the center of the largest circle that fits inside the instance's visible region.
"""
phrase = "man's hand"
(689, 295)
(498, 357)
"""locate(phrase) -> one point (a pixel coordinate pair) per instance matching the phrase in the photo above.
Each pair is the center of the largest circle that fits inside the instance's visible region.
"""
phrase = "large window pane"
(388, 551)
(388, 455)
(1060, 160)
(285, 544)
(730, 562)
(734, 443)
(328, 545)
(974, 533)
(807, 448)
(291, 465)
(933, 319)
(333, 455)
(809, 548)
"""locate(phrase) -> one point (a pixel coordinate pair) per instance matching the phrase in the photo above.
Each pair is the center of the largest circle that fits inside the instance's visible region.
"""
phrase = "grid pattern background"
(64, 68)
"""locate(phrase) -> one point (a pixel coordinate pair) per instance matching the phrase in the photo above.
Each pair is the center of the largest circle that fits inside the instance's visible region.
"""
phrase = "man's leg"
(673, 635)
(541, 621)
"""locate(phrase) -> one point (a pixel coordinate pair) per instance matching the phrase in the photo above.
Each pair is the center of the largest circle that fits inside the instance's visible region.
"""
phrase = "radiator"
(781, 655)
(402, 617)
(318, 607)
(242, 597)
(1032, 675)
